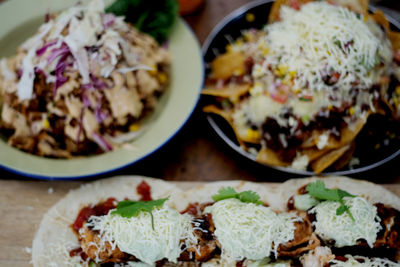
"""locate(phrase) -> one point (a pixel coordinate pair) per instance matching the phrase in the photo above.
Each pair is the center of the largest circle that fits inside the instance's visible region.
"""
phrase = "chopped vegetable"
(245, 196)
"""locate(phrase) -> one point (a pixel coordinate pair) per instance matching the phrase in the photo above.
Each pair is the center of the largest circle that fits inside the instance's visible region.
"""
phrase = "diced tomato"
(295, 4)
(192, 209)
(144, 190)
(98, 210)
(280, 94)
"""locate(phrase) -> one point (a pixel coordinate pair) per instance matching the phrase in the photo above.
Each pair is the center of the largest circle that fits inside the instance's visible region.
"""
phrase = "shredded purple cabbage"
(43, 49)
(101, 142)
(57, 52)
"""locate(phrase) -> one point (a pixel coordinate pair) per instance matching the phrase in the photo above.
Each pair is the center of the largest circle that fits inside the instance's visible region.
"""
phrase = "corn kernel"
(134, 127)
(228, 48)
(398, 90)
(239, 42)
(282, 70)
(330, 107)
(46, 124)
(247, 37)
(250, 17)
(292, 73)
(265, 51)
(365, 18)
(352, 111)
(162, 77)
(238, 72)
(153, 70)
(253, 134)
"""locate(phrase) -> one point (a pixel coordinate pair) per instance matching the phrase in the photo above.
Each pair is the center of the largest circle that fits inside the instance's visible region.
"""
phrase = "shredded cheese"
(247, 230)
(136, 236)
(341, 228)
(321, 37)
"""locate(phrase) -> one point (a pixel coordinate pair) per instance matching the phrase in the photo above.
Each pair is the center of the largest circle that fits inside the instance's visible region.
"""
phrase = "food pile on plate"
(299, 91)
(146, 222)
(81, 85)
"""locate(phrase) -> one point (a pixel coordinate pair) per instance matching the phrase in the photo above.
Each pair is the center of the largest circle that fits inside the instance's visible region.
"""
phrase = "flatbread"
(55, 238)
(372, 192)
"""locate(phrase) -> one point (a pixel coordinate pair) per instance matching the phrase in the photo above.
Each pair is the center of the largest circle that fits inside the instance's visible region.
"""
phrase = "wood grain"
(22, 206)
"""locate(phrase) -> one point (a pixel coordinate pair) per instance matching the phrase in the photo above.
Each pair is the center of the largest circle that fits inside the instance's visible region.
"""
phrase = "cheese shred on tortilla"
(341, 228)
(136, 236)
(247, 230)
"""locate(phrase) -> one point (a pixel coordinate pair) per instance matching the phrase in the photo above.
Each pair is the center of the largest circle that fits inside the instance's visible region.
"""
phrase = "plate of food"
(139, 221)
(95, 87)
(306, 86)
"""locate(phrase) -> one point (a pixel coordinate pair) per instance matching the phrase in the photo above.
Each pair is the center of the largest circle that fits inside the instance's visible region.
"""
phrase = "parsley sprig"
(129, 208)
(320, 192)
(245, 196)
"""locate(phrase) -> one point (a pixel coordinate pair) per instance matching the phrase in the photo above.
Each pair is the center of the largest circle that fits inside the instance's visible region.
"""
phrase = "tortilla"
(372, 192)
(55, 238)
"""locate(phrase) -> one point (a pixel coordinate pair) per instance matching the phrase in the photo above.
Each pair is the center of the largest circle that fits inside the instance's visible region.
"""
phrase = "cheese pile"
(321, 38)
(136, 235)
(248, 230)
(341, 228)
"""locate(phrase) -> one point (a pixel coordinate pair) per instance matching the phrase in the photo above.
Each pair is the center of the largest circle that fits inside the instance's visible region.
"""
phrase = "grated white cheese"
(352, 261)
(341, 228)
(136, 236)
(247, 230)
(322, 37)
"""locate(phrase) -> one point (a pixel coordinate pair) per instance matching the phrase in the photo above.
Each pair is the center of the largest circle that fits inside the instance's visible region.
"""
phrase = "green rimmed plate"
(19, 19)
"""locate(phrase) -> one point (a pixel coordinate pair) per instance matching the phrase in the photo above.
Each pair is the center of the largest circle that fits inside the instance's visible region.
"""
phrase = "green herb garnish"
(318, 191)
(245, 196)
(129, 209)
(155, 18)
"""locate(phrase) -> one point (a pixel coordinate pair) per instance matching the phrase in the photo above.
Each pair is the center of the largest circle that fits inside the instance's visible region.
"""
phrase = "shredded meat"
(389, 236)
(91, 246)
(304, 239)
(207, 246)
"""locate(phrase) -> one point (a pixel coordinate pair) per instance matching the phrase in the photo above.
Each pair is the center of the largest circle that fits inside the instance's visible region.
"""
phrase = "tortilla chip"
(274, 14)
(313, 152)
(320, 164)
(232, 91)
(394, 38)
(345, 158)
(380, 19)
(270, 157)
(347, 135)
(227, 115)
(227, 65)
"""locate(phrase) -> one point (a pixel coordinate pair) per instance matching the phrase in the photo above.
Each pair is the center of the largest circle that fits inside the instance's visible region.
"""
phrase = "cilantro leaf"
(245, 196)
(320, 192)
(225, 193)
(155, 18)
(129, 208)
